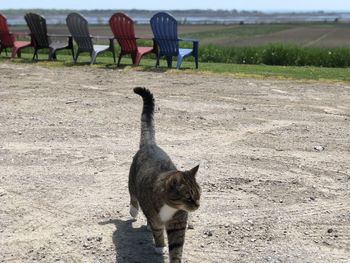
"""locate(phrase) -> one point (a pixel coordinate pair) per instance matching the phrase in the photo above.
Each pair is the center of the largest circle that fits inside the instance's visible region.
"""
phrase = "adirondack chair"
(122, 27)
(78, 27)
(164, 27)
(40, 38)
(8, 39)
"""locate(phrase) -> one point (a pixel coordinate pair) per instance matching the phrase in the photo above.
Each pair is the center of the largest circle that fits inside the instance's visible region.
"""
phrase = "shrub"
(277, 54)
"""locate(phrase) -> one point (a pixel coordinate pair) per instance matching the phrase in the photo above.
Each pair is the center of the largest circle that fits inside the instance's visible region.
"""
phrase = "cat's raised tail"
(147, 122)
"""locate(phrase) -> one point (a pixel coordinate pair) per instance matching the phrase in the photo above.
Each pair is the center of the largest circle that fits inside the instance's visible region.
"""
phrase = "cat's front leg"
(158, 235)
(176, 239)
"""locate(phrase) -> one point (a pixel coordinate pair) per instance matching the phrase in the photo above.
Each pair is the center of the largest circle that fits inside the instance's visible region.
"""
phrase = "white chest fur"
(166, 213)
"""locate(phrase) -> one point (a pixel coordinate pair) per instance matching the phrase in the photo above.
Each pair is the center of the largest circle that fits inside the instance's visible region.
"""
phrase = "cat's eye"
(188, 196)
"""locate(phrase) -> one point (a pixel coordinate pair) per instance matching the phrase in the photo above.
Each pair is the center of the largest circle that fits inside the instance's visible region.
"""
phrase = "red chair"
(122, 27)
(8, 39)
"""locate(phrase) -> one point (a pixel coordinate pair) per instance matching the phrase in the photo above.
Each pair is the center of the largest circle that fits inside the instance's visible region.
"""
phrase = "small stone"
(99, 239)
(190, 226)
(253, 240)
(281, 201)
(330, 230)
(208, 233)
(318, 148)
(244, 108)
(229, 232)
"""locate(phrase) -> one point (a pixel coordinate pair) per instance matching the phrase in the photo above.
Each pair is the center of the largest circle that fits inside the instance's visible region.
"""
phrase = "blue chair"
(164, 27)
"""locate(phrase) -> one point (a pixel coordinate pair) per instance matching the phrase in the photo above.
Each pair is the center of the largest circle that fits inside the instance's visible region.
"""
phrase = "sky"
(259, 5)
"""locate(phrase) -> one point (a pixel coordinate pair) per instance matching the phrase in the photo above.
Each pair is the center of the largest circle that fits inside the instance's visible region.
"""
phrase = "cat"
(164, 194)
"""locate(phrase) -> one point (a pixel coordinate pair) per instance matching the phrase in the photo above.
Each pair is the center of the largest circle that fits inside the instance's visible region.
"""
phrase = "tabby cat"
(164, 194)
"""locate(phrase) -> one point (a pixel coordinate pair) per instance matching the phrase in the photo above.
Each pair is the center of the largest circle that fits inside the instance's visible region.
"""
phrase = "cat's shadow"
(133, 245)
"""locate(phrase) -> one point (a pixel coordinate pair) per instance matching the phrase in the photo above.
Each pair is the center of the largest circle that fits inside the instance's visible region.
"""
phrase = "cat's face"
(183, 192)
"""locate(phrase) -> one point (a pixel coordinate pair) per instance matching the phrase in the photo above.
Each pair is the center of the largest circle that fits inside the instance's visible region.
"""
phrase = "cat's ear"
(174, 180)
(193, 171)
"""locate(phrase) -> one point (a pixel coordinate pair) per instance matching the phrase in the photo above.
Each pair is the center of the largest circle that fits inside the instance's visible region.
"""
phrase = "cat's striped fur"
(164, 194)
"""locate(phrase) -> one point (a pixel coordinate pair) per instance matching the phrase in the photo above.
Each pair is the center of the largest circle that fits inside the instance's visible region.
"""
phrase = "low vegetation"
(286, 59)
(277, 54)
(239, 70)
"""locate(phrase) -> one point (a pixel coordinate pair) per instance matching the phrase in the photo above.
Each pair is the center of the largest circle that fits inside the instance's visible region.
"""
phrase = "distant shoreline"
(57, 16)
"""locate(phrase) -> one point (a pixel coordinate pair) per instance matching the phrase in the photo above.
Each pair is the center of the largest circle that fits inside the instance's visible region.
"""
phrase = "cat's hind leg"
(134, 207)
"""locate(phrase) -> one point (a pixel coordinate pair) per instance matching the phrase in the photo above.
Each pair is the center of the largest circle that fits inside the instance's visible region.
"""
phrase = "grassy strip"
(277, 54)
(148, 64)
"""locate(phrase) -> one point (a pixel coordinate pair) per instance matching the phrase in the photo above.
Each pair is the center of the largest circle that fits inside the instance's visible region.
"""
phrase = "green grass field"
(243, 50)
(148, 64)
(328, 35)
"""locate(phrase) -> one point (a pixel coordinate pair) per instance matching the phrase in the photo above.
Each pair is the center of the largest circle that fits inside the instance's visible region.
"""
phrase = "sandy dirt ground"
(274, 161)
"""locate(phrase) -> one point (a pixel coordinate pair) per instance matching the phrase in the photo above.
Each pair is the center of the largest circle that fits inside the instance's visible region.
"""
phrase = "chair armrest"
(145, 37)
(102, 37)
(195, 44)
(58, 35)
(189, 40)
(111, 39)
(69, 37)
(19, 34)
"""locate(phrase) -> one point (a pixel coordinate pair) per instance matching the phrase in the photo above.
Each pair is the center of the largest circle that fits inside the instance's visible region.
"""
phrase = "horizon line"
(192, 9)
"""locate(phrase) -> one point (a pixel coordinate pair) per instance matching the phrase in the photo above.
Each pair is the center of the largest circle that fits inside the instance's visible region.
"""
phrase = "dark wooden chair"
(78, 27)
(8, 39)
(164, 27)
(122, 27)
(40, 38)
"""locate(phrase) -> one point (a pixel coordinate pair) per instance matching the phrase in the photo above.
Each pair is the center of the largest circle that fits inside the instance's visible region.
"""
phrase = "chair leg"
(133, 57)
(119, 59)
(157, 62)
(169, 61)
(138, 59)
(50, 55)
(93, 57)
(35, 55)
(179, 61)
(196, 61)
(76, 57)
(72, 49)
(113, 53)
(14, 52)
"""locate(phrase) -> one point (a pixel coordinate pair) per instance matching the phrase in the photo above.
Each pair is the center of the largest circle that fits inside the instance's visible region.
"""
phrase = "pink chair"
(8, 39)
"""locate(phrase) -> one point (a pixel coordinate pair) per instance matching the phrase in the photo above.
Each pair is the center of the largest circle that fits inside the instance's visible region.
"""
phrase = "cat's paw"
(160, 250)
(133, 211)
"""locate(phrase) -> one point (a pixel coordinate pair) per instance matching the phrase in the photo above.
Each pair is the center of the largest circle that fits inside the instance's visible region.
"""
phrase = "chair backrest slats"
(6, 39)
(78, 27)
(122, 27)
(38, 30)
(164, 28)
